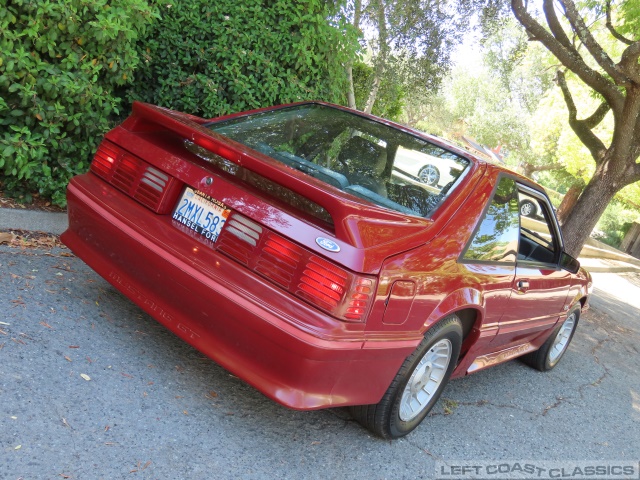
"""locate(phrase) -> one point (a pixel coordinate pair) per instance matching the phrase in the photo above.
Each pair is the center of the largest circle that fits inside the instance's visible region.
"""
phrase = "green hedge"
(61, 64)
(215, 57)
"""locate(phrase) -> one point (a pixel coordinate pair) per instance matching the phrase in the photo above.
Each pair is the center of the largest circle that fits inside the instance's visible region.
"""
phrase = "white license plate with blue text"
(201, 213)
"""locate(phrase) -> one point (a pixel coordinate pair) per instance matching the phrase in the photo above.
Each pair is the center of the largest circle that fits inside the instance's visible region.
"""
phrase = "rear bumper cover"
(291, 352)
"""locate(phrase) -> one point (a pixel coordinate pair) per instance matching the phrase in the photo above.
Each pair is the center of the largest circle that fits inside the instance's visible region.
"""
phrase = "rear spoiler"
(381, 227)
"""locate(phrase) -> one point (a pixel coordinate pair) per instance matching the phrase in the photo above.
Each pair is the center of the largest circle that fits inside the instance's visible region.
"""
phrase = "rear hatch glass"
(369, 159)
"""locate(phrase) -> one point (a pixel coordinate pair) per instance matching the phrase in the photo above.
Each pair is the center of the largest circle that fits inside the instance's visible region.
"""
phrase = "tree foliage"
(211, 58)
(567, 30)
(60, 63)
(410, 42)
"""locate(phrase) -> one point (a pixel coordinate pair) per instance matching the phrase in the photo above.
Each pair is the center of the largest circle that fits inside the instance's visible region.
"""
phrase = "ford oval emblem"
(328, 244)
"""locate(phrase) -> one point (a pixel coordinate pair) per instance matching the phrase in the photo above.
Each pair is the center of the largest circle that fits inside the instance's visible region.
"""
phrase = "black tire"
(385, 418)
(552, 351)
(430, 175)
(528, 208)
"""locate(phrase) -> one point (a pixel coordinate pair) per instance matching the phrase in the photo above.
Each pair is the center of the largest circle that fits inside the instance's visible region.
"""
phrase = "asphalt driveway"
(91, 387)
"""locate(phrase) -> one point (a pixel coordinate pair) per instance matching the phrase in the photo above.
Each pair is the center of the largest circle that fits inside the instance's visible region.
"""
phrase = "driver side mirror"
(567, 262)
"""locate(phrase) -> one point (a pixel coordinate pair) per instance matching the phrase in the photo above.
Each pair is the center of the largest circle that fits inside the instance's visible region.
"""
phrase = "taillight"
(105, 159)
(359, 299)
(243, 229)
(135, 177)
(278, 259)
(322, 282)
(327, 286)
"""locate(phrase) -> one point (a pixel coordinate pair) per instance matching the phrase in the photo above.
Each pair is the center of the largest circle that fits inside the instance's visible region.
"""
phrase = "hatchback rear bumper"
(288, 350)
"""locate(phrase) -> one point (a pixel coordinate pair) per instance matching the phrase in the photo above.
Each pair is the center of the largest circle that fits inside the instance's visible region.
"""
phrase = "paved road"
(153, 407)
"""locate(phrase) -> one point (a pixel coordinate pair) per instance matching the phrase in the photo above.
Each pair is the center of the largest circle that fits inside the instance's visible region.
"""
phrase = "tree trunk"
(372, 94)
(587, 211)
(569, 201)
(381, 61)
(351, 95)
(527, 170)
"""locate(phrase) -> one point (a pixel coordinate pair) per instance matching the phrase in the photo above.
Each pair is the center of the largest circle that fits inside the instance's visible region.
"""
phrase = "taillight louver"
(240, 238)
(155, 179)
(323, 282)
(147, 184)
(125, 173)
(244, 229)
(151, 187)
(104, 160)
(279, 260)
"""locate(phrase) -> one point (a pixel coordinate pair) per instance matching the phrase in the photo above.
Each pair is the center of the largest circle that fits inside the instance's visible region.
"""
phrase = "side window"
(496, 239)
(538, 242)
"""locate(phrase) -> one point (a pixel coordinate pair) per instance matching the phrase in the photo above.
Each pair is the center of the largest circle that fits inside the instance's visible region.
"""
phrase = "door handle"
(523, 285)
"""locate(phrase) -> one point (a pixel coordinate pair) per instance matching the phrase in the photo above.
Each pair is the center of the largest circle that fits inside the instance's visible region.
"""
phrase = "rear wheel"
(551, 351)
(429, 175)
(417, 385)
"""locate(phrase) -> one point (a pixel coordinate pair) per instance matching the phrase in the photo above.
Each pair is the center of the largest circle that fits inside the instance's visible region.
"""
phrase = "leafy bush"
(215, 57)
(60, 63)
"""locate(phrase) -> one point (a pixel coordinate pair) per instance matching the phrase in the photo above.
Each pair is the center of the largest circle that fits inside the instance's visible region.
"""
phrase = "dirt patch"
(24, 239)
(37, 203)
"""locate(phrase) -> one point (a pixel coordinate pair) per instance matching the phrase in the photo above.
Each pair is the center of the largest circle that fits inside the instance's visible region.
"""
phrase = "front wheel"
(551, 351)
(417, 385)
(528, 208)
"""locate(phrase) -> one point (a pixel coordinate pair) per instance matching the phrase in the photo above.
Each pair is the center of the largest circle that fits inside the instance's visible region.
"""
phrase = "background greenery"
(69, 70)
(211, 58)
(61, 67)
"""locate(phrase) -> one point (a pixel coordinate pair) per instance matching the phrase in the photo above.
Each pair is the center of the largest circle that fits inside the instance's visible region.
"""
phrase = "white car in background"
(434, 171)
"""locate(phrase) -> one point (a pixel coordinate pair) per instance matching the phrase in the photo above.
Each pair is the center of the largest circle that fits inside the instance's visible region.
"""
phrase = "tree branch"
(593, 47)
(569, 58)
(581, 127)
(611, 28)
(597, 116)
(629, 61)
(554, 25)
(635, 177)
(544, 168)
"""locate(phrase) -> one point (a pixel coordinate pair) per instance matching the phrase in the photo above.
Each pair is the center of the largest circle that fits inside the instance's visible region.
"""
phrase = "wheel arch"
(470, 317)
(467, 305)
(465, 302)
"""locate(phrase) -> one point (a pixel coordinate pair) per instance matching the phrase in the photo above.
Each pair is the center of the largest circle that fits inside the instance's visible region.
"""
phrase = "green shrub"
(60, 64)
(215, 57)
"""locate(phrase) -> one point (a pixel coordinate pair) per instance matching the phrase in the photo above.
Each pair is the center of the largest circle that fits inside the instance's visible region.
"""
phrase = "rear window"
(368, 159)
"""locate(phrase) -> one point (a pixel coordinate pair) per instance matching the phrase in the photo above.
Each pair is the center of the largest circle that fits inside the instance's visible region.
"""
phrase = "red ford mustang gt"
(292, 246)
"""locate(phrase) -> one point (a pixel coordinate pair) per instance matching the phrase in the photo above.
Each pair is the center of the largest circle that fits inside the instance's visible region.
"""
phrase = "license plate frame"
(201, 213)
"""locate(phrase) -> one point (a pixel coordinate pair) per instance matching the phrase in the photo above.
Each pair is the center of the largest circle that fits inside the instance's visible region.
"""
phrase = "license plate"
(201, 213)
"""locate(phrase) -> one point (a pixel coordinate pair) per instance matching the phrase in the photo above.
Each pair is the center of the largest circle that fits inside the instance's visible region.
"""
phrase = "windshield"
(365, 158)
